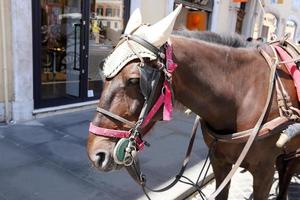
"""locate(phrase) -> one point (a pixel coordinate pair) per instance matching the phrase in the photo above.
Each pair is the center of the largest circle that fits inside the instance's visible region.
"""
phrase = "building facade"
(52, 51)
(275, 18)
(267, 19)
(6, 83)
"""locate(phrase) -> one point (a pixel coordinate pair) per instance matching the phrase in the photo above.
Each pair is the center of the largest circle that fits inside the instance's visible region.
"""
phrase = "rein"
(140, 178)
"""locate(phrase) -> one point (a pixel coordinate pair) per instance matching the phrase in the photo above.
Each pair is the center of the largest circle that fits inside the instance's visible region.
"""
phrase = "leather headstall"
(151, 77)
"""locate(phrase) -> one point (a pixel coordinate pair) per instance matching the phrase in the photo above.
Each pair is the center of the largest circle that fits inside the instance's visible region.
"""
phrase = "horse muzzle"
(100, 152)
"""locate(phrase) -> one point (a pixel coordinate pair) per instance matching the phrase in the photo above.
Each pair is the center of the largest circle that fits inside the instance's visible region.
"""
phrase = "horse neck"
(206, 81)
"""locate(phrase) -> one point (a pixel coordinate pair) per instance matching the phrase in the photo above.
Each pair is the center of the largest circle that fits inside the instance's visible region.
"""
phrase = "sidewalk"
(241, 188)
(45, 159)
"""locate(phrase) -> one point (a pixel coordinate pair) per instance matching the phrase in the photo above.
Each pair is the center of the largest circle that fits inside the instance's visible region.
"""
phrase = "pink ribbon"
(292, 68)
(166, 96)
(171, 66)
(168, 107)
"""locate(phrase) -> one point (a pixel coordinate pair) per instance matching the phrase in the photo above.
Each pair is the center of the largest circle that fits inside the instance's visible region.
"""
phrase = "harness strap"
(108, 132)
(166, 99)
(243, 136)
(252, 136)
(297, 59)
(292, 155)
(136, 174)
(145, 44)
(284, 101)
(117, 117)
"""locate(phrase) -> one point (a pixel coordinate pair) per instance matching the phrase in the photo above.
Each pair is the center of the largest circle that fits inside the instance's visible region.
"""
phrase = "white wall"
(22, 59)
(224, 16)
(153, 10)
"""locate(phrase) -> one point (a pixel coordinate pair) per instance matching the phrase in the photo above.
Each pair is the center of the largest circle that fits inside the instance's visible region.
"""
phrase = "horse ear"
(159, 33)
(134, 21)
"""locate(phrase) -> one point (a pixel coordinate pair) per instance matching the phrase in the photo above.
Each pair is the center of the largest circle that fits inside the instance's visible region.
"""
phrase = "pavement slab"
(241, 188)
(13, 156)
(43, 180)
(46, 159)
(28, 135)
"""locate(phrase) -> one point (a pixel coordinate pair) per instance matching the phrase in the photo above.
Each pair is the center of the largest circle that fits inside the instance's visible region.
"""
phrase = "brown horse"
(225, 81)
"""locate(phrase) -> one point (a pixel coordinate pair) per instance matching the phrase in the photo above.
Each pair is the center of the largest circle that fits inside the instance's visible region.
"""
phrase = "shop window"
(100, 11)
(290, 29)
(60, 47)
(105, 30)
(71, 40)
(109, 12)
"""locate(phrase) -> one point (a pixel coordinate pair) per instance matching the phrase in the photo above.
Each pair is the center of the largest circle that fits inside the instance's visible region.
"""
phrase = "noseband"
(131, 140)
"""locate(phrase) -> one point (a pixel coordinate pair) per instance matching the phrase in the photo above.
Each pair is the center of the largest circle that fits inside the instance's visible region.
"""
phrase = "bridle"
(131, 141)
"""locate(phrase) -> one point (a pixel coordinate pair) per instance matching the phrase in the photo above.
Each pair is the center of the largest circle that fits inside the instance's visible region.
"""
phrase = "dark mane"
(233, 40)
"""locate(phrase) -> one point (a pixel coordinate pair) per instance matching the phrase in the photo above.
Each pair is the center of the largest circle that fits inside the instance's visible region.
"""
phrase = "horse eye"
(133, 81)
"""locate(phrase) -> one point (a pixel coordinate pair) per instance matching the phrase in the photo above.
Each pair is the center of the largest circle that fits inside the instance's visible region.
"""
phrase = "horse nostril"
(101, 157)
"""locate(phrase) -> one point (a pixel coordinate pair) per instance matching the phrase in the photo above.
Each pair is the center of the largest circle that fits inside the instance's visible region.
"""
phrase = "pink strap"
(166, 97)
(115, 134)
(171, 66)
(108, 132)
(168, 107)
(292, 68)
(153, 110)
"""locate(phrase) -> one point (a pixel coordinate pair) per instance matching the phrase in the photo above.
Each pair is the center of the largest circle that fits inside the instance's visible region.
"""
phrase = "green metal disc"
(121, 149)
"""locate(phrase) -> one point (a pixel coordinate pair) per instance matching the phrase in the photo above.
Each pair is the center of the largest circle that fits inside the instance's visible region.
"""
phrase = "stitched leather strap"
(114, 116)
(135, 173)
(145, 44)
(108, 132)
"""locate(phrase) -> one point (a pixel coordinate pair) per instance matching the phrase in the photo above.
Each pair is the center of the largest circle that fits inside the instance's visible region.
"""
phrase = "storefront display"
(74, 38)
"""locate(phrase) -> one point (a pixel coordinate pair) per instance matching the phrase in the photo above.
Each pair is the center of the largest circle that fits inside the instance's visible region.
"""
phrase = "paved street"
(45, 159)
(241, 188)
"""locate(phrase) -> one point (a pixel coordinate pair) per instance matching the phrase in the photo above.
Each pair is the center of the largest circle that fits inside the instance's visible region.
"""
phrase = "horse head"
(134, 80)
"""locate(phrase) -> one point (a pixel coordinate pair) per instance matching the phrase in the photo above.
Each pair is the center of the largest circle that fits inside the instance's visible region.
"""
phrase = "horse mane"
(233, 40)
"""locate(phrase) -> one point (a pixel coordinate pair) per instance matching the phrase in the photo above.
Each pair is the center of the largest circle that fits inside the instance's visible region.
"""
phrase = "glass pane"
(60, 31)
(290, 29)
(106, 26)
